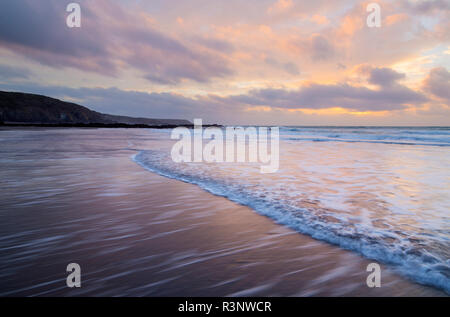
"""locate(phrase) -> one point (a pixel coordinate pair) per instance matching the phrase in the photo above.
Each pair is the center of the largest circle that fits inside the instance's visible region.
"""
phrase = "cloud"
(390, 95)
(228, 56)
(13, 73)
(289, 67)
(319, 19)
(381, 76)
(404, 33)
(317, 96)
(280, 6)
(110, 39)
(317, 47)
(320, 47)
(426, 6)
(214, 44)
(38, 30)
(438, 83)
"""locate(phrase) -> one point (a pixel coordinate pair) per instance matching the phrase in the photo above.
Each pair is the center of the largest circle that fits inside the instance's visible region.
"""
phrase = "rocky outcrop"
(16, 107)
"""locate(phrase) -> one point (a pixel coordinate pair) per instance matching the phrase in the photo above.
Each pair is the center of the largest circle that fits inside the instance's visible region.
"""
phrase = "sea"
(383, 192)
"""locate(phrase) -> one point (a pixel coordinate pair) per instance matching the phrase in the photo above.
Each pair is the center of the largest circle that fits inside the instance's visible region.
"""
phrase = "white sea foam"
(388, 201)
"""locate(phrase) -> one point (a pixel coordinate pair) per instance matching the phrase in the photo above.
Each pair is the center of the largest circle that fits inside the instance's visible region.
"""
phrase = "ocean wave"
(401, 136)
(332, 139)
(421, 256)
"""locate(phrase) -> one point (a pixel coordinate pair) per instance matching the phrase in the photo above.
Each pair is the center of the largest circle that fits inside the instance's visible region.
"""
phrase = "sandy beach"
(75, 195)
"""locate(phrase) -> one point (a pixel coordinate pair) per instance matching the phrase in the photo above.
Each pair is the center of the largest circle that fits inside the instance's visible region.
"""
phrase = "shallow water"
(74, 195)
(383, 192)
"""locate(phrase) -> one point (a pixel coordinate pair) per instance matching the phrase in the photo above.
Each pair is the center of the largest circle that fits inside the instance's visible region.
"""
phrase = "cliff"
(23, 108)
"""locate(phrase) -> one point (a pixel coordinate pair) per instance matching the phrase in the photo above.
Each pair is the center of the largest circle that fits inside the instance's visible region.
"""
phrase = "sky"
(253, 62)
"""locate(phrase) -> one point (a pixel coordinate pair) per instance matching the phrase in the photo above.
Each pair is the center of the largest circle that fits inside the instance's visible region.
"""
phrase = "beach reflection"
(75, 195)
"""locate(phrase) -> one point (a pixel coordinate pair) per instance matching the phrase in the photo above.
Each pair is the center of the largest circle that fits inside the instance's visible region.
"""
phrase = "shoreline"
(274, 221)
(102, 125)
(136, 233)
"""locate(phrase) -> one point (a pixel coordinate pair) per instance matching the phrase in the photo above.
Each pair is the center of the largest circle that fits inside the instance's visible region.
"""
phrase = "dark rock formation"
(28, 109)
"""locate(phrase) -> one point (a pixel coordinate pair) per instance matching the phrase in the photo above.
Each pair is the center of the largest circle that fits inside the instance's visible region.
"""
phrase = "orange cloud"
(319, 19)
(395, 18)
(280, 6)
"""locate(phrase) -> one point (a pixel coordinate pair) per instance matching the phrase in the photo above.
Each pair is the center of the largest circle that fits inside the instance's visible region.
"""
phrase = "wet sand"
(76, 196)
